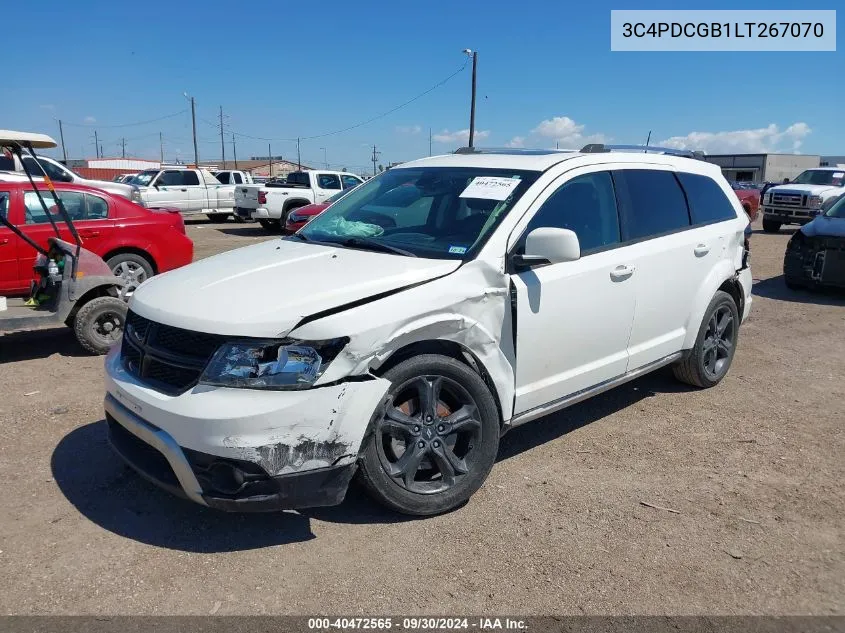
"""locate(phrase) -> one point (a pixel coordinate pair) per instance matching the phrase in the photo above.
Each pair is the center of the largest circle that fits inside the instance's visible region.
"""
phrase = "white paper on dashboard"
(490, 187)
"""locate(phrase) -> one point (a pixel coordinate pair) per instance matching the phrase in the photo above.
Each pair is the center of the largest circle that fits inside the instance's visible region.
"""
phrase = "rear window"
(707, 201)
(190, 178)
(298, 178)
(653, 201)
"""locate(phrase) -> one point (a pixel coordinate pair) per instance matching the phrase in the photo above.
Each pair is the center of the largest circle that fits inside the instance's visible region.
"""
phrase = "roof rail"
(597, 148)
(511, 150)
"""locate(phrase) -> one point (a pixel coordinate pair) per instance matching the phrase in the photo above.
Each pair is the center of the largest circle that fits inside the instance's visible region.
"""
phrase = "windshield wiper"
(364, 242)
(300, 237)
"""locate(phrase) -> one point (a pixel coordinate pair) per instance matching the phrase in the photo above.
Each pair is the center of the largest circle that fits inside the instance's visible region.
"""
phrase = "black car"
(815, 255)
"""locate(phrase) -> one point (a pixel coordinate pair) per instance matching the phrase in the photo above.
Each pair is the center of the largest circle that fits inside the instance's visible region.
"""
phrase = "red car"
(302, 216)
(135, 242)
(749, 198)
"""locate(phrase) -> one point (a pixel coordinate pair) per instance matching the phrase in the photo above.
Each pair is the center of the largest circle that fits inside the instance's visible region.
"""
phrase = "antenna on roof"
(645, 151)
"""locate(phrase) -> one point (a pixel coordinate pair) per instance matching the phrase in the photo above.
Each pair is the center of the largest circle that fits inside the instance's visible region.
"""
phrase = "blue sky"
(282, 70)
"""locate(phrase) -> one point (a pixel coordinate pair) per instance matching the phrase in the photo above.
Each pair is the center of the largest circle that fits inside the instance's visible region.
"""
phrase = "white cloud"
(566, 133)
(765, 139)
(460, 136)
(90, 119)
(408, 129)
(516, 141)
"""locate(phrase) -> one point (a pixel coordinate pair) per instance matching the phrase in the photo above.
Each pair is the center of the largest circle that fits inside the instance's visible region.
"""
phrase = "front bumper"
(241, 449)
(789, 215)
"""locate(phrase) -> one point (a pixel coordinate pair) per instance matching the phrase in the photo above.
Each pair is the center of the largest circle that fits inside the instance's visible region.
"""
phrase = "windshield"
(143, 179)
(838, 209)
(436, 212)
(820, 177)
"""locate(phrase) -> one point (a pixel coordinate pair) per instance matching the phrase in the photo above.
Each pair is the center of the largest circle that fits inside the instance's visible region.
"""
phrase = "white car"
(801, 200)
(407, 327)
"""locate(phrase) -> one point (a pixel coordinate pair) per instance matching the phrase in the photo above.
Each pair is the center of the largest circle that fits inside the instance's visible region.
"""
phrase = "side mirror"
(548, 245)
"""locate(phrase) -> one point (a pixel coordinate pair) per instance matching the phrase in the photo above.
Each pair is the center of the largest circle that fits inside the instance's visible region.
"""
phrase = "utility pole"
(375, 159)
(270, 158)
(298, 158)
(472, 106)
(96, 145)
(194, 125)
(62, 136)
(222, 144)
(234, 150)
(123, 147)
(161, 148)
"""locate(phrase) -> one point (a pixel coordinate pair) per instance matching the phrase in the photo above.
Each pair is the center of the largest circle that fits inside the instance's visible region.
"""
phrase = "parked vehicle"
(802, 199)
(192, 191)
(749, 198)
(815, 254)
(61, 173)
(271, 203)
(301, 216)
(409, 325)
(124, 178)
(74, 287)
(135, 242)
(234, 177)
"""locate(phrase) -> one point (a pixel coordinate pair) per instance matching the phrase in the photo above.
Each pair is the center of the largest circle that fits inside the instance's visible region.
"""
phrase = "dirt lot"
(754, 469)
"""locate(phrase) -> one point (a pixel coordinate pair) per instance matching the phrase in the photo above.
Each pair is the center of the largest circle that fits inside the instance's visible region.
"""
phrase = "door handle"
(89, 233)
(621, 273)
(701, 250)
(183, 190)
(4, 241)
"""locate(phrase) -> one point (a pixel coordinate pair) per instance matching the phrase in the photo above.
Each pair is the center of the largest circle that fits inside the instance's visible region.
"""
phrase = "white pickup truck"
(192, 191)
(801, 200)
(271, 203)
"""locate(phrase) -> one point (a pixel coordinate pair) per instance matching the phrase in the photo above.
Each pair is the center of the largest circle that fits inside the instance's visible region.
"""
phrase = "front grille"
(168, 358)
(789, 199)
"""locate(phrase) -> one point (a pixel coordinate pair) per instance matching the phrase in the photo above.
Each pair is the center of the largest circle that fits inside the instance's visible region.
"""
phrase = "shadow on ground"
(34, 344)
(775, 288)
(114, 497)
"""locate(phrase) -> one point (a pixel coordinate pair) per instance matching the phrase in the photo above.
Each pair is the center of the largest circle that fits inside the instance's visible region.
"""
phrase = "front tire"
(99, 324)
(435, 440)
(710, 358)
(217, 218)
(271, 226)
(771, 226)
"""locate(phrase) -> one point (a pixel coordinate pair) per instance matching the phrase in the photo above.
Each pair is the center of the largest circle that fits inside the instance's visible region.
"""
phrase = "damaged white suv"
(405, 329)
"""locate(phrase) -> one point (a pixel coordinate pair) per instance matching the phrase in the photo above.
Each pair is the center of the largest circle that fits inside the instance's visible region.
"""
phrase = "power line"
(99, 125)
(362, 123)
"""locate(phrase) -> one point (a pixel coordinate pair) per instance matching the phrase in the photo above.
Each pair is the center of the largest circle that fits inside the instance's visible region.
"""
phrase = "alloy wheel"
(718, 342)
(132, 274)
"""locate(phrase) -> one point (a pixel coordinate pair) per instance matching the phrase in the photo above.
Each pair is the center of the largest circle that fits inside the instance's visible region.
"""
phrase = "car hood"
(823, 225)
(813, 190)
(116, 188)
(266, 289)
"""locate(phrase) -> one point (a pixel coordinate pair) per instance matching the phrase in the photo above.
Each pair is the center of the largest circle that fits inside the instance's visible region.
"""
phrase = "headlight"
(135, 196)
(815, 202)
(279, 365)
(295, 218)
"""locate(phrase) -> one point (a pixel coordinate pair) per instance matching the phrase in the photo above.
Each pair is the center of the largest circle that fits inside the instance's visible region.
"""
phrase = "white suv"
(406, 328)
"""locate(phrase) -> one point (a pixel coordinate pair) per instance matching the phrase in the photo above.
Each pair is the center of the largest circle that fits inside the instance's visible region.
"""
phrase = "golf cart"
(75, 287)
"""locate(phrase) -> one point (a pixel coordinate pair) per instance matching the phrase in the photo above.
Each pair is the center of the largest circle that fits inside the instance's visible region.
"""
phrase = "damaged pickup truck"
(399, 336)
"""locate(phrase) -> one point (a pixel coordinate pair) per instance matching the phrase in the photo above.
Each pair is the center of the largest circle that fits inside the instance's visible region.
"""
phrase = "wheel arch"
(97, 291)
(722, 277)
(134, 250)
(442, 347)
(295, 203)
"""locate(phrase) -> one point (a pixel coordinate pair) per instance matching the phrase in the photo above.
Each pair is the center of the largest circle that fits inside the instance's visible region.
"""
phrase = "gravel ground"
(753, 470)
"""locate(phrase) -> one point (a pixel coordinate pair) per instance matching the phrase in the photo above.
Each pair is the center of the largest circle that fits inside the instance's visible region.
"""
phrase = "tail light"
(262, 197)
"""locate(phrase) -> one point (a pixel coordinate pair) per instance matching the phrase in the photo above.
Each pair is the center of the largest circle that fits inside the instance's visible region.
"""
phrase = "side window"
(707, 201)
(74, 204)
(237, 179)
(586, 205)
(4, 204)
(98, 208)
(328, 181)
(169, 178)
(223, 177)
(654, 203)
(350, 181)
(189, 178)
(55, 173)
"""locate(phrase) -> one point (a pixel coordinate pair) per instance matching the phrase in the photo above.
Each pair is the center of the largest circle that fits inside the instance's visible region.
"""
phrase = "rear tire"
(134, 269)
(771, 226)
(433, 443)
(218, 217)
(271, 226)
(710, 358)
(99, 324)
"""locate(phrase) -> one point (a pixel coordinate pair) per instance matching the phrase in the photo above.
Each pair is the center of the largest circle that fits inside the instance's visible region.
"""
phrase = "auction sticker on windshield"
(490, 188)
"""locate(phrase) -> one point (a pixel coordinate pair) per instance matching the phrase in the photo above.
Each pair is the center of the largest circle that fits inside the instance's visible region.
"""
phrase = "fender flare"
(722, 272)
